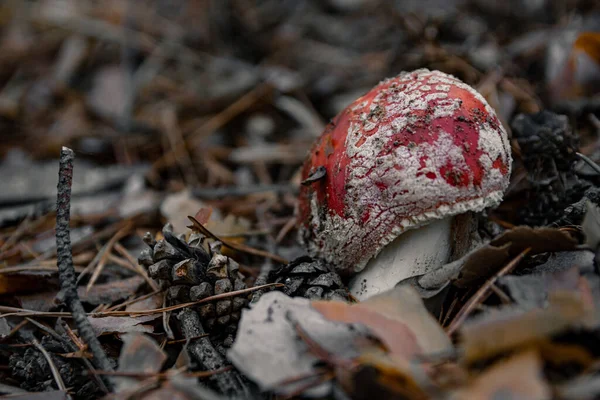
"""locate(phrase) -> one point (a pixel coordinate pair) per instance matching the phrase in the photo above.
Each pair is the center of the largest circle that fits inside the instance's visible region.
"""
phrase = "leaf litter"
(178, 110)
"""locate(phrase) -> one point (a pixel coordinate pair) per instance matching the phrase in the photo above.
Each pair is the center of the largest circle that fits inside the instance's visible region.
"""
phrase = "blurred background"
(208, 108)
(219, 101)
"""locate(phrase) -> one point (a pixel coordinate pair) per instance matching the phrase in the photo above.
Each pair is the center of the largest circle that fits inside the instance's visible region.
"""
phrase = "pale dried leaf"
(505, 330)
(591, 225)
(122, 324)
(268, 350)
(397, 317)
(519, 377)
(111, 292)
(139, 354)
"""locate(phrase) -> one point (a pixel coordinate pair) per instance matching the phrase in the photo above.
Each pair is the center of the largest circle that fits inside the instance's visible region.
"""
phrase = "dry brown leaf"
(21, 283)
(487, 260)
(519, 377)
(486, 338)
(380, 377)
(108, 96)
(398, 318)
(540, 240)
(177, 206)
(397, 336)
(179, 387)
(42, 301)
(580, 71)
(110, 292)
(52, 395)
(230, 227)
(589, 43)
(123, 324)
(139, 354)
(203, 215)
(152, 302)
(559, 355)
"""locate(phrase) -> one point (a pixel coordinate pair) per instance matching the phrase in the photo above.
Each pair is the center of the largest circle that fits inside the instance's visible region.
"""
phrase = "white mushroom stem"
(415, 252)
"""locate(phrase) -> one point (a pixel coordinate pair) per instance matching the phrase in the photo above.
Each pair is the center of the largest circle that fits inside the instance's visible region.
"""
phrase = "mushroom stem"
(414, 252)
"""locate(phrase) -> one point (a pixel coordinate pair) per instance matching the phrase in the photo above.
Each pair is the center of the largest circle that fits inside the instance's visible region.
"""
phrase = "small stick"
(204, 353)
(194, 139)
(186, 339)
(483, 291)
(132, 301)
(289, 225)
(166, 316)
(14, 330)
(267, 266)
(589, 162)
(163, 375)
(107, 249)
(21, 312)
(59, 381)
(123, 251)
(184, 305)
(66, 271)
(235, 246)
(212, 193)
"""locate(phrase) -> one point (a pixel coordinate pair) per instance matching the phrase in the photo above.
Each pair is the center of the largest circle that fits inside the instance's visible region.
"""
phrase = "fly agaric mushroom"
(416, 151)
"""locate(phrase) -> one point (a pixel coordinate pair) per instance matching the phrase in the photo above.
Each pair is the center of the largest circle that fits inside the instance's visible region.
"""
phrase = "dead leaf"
(52, 395)
(502, 331)
(377, 376)
(77, 354)
(108, 96)
(532, 290)
(229, 226)
(582, 388)
(43, 301)
(398, 318)
(203, 215)
(4, 328)
(71, 124)
(591, 225)
(589, 43)
(519, 377)
(182, 388)
(151, 303)
(577, 71)
(110, 292)
(122, 324)
(540, 240)
(268, 350)
(483, 262)
(398, 338)
(177, 206)
(139, 354)
(558, 355)
(21, 283)
(514, 241)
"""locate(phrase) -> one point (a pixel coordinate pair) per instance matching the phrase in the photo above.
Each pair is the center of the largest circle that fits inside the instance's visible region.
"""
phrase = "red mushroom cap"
(418, 147)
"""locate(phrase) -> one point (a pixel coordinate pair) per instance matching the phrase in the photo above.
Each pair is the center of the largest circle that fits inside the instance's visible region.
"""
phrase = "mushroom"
(420, 150)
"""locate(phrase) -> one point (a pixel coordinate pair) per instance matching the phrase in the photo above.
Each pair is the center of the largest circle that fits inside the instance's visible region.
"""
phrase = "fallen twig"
(482, 293)
(163, 375)
(236, 246)
(205, 354)
(123, 251)
(106, 250)
(20, 312)
(57, 378)
(65, 262)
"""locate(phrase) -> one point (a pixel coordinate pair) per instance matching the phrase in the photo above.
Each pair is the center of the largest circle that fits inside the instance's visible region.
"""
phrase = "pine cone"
(189, 272)
(310, 278)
